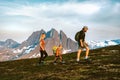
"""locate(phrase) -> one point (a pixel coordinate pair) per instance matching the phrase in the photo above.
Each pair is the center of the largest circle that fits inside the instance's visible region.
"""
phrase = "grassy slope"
(105, 66)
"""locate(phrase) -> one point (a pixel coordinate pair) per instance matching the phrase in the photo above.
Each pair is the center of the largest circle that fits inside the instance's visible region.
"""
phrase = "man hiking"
(81, 43)
(43, 52)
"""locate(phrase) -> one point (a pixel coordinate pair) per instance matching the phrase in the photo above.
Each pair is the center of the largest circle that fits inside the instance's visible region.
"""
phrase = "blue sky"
(19, 18)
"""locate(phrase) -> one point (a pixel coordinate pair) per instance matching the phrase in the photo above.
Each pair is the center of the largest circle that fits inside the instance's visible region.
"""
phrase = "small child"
(58, 54)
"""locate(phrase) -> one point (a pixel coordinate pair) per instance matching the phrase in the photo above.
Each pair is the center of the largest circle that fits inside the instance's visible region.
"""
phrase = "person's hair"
(84, 27)
(41, 35)
(60, 45)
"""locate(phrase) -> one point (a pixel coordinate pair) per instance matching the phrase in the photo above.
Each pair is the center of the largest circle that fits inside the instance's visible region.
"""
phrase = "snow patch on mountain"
(35, 55)
(19, 50)
(29, 49)
(66, 51)
(99, 44)
(25, 49)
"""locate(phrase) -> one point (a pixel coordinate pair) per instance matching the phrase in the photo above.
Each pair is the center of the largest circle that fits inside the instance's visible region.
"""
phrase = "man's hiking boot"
(78, 61)
(88, 60)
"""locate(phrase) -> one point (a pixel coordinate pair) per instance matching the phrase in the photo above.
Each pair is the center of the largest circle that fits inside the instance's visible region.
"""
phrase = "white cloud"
(55, 9)
(68, 16)
(116, 8)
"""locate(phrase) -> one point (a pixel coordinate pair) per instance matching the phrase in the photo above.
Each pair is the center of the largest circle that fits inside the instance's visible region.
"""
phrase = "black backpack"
(77, 36)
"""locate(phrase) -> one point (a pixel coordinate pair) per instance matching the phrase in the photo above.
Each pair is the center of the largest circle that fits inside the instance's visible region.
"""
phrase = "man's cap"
(85, 27)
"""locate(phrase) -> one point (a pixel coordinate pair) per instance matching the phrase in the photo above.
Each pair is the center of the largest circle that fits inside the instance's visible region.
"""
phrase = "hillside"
(105, 65)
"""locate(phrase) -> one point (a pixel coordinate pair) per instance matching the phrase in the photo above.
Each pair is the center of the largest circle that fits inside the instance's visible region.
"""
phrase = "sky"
(20, 18)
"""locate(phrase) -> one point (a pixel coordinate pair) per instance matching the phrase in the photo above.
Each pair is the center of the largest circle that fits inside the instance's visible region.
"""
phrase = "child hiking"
(58, 54)
(80, 38)
(43, 52)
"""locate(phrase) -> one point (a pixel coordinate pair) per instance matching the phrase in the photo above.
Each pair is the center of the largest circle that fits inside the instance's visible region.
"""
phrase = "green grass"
(105, 66)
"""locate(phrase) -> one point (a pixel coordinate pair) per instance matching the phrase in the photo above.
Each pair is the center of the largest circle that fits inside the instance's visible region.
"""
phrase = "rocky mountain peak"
(33, 39)
(63, 39)
(9, 43)
(52, 33)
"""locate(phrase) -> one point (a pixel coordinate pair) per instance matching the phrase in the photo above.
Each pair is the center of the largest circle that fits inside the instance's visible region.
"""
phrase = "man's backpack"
(77, 36)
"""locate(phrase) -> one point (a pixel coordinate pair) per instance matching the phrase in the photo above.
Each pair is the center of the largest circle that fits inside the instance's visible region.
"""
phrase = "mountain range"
(99, 44)
(9, 43)
(12, 50)
(30, 47)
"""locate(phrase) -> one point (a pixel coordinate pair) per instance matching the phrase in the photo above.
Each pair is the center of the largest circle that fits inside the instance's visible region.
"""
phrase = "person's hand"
(43, 49)
(87, 44)
(82, 45)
